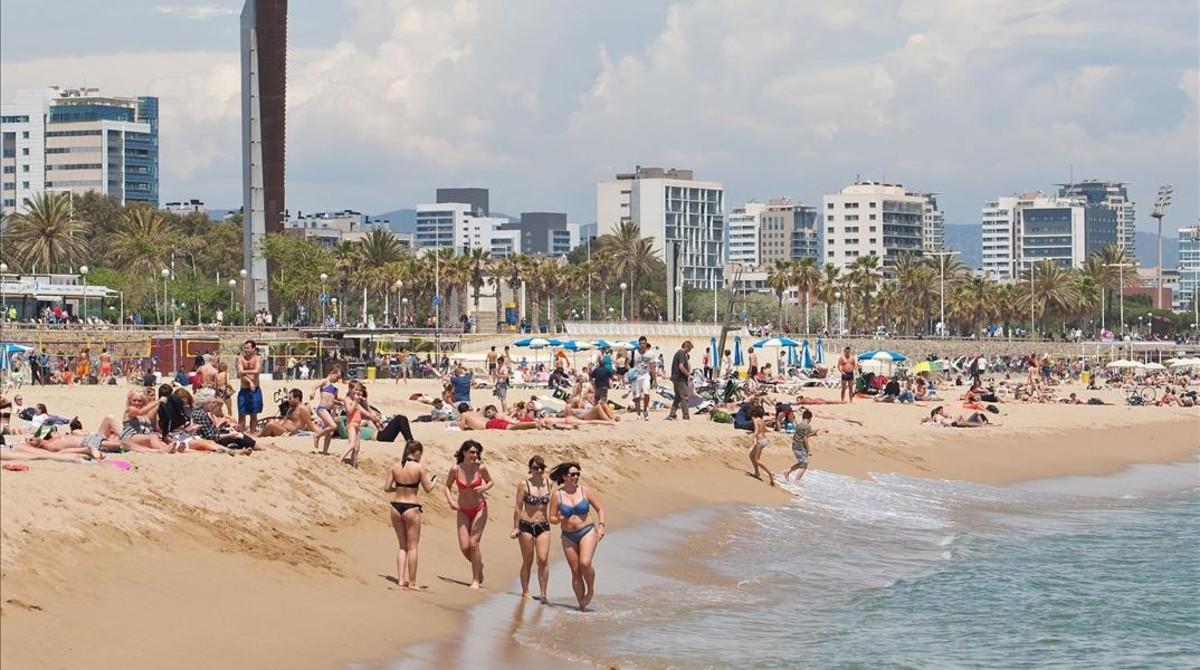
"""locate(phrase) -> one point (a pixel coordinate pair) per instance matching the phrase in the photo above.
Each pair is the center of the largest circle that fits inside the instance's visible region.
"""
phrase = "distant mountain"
(967, 240)
(400, 220)
(1145, 245)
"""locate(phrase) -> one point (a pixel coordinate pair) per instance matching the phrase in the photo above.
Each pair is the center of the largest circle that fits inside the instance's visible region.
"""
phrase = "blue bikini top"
(579, 509)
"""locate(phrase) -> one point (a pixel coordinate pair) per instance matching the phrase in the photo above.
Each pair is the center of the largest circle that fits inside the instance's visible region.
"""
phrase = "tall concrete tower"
(264, 103)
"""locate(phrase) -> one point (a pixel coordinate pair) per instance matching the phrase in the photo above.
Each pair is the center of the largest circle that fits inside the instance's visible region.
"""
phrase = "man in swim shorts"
(846, 366)
(249, 398)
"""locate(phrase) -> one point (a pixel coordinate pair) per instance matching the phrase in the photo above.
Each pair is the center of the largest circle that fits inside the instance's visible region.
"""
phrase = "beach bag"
(1095, 401)
(26, 414)
(993, 409)
(722, 416)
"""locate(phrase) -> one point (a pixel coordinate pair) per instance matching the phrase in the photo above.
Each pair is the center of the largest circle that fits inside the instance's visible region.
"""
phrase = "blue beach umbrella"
(737, 350)
(819, 357)
(532, 342)
(776, 342)
(806, 360)
(716, 355)
(573, 345)
(880, 355)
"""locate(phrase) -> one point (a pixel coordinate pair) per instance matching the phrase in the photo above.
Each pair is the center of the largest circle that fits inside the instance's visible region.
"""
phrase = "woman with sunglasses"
(404, 479)
(473, 481)
(530, 526)
(579, 537)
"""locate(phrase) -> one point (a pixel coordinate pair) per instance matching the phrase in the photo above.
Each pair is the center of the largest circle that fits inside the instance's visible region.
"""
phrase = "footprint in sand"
(23, 605)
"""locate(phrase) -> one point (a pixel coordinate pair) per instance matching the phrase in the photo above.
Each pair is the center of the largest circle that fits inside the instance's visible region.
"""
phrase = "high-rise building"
(1034, 227)
(872, 218)
(1111, 194)
(545, 233)
(933, 224)
(476, 197)
(1189, 270)
(742, 231)
(806, 233)
(684, 217)
(264, 105)
(76, 140)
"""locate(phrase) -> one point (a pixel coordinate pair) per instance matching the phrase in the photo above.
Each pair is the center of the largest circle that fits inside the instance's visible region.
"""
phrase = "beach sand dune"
(286, 558)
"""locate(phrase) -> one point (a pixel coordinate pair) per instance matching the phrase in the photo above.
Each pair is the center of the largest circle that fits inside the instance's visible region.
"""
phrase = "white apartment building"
(685, 218)
(742, 238)
(452, 225)
(330, 228)
(1034, 227)
(1111, 194)
(76, 140)
(933, 224)
(872, 218)
(1189, 270)
(185, 207)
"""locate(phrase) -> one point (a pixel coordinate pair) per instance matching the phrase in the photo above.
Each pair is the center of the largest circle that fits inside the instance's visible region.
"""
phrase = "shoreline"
(281, 558)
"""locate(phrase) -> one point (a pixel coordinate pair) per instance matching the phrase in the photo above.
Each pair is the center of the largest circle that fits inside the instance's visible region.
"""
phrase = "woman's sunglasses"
(573, 474)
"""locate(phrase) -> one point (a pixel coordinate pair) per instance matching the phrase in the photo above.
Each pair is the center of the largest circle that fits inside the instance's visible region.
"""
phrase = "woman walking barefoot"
(758, 442)
(404, 479)
(530, 526)
(329, 398)
(473, 481)
(579, 537)
(356, 410)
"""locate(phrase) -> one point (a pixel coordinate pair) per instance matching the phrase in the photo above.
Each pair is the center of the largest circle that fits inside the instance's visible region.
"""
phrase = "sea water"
(891, 572)
(902, 572)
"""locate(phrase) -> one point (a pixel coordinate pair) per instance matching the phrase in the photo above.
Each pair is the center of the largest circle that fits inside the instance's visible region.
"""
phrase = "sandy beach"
(285, 558)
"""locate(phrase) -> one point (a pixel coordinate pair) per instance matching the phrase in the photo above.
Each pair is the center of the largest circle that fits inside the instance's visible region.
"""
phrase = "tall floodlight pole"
(942, 256)
(1160, 210)
(245, 304)
(83, 272)
(623, 287)
(1032, 321)
(324, 299)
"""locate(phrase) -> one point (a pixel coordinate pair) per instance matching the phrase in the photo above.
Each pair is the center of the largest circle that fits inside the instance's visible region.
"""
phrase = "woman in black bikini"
(579, 537)
(404, 479)
(473, 480)
(530, 526)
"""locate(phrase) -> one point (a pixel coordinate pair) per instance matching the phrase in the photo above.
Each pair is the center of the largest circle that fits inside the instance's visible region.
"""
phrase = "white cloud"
(196, 12)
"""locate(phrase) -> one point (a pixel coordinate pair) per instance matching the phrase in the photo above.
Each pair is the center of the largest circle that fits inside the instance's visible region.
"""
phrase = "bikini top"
(580, 508)
(329, 388)
(406, 486)
(475, 483)
(531, 499)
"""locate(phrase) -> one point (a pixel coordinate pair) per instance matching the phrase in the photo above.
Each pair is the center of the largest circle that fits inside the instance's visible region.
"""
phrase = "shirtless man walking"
(847, 365)
(208, 374)
(249, 398)
(491, 363)
(106, 368)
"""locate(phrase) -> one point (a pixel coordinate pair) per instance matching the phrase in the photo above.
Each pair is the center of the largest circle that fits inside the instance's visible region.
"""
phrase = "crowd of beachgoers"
(218, 407)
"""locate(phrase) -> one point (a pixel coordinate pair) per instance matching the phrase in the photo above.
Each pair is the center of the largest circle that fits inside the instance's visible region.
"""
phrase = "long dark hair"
(559, 474)
(462, 451)
(411, 447)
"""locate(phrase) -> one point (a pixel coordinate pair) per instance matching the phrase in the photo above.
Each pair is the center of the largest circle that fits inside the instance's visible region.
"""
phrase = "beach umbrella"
(928, 366)
(716, 355)
(1185, 362)
(819, 357)
(1123, 364)
(776, 342)
(573, 345)
(737, 350)
(603, 344)
(532, 342)
(806, 360)
(880, 355)
(1154, 366)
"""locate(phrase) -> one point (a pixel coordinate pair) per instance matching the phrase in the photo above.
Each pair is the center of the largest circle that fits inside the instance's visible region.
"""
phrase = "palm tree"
(633, 256)
(864, 278)
(1054, 291)
(907, 271)
(513, 270)
(142, 240)
(805, 276)
(46, 235)
(888, 301)
(828, 287)
(380, 247)
(779, 278)
(478, 260)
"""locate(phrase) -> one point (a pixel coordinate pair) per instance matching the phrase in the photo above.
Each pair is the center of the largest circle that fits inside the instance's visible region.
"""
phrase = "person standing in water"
(404, 480)
(531, 526)
(473, 480)
(572, 508)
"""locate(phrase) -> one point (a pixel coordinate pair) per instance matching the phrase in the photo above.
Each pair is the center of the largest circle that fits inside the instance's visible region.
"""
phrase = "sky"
(537, 100)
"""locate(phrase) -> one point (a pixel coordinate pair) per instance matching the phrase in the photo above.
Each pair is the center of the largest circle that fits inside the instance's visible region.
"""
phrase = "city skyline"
(1009, 98)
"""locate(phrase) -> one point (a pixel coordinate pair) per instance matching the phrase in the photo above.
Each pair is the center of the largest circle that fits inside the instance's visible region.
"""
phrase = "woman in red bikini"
(473, 481)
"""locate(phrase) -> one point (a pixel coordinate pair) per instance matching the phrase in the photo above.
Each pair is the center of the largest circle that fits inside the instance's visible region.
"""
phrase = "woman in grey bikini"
(404, 478)
(579, 536)
(530, 525)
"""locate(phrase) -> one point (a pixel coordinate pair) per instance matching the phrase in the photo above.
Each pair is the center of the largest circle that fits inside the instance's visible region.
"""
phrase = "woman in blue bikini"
(329, 400)
(404, 480)
(530, 526)
(579, 537)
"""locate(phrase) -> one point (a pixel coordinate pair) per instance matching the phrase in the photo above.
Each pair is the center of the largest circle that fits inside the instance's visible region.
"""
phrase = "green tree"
(46, 237)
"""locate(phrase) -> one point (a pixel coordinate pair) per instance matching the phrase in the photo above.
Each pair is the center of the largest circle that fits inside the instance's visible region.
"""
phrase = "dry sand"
(284, 558)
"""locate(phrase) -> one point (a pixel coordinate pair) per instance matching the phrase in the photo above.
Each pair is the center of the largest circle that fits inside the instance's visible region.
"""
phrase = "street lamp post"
(1160, 210)
(942, 256)
(245, 301)
(399, 287)
(678, 304)
(3, 292)
(166, 274)
(83, 272)
(1120, 291)
(623, 287)
(837, 295)
(324, 298)
(1032, 322)
(714, 283)
(232, 286)
(333, 301)
(404, 313)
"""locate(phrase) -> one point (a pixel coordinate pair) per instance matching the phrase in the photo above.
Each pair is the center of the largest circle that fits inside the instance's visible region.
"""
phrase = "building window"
(24, 168)
(25, 185)
(24, 134)
(872, 240)
(872, 205)
(829, 217)
(852, 217)
(829, 205)
(872, 217)
(24, 151)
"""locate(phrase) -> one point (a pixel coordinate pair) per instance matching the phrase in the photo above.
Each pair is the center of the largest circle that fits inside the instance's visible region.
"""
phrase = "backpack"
(721, 416)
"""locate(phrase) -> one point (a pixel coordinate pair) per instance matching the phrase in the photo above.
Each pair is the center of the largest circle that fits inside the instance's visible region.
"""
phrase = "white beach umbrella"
(1123, 364)
(1154, 366)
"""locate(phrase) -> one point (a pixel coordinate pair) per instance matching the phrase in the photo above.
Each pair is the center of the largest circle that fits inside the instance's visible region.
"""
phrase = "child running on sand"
(804, 430)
